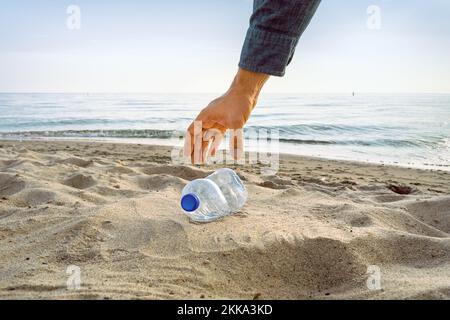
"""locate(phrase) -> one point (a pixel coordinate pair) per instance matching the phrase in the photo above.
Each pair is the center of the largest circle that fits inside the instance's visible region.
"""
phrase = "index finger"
(188, 141)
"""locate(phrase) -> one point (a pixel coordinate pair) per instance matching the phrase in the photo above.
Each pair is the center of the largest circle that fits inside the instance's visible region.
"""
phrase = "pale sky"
(194, 46)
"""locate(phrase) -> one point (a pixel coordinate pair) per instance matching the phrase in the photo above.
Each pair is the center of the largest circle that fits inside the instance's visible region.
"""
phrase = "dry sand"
(311, 231)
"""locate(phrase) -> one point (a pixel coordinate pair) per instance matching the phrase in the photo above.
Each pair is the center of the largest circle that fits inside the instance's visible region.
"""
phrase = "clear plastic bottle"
(219, 194)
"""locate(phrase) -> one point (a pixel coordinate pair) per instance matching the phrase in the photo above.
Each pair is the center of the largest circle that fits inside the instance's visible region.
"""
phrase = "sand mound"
(117, 192)
(82, 163)
(292, 269)
(183, 172)
(149, 237)
(168, 239)
(22, 150)
(439, 294)
(434, 212)
(34, 197)
(158, 182)
(389, 198)
(81, 243)
(120, 169)
(10, 184)
(275, 182)
(272, 185)
(80, 181)
(9, 163)
(290, 192)
(405, 249)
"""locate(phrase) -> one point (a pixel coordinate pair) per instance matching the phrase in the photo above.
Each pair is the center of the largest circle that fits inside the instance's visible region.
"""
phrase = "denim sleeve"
(275, 28)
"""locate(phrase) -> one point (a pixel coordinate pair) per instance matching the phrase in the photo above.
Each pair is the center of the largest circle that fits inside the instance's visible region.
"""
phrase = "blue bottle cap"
(190, 202)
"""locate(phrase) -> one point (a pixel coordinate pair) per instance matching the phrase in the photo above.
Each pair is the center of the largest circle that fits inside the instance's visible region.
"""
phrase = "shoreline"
(312, 231)
(166, 143)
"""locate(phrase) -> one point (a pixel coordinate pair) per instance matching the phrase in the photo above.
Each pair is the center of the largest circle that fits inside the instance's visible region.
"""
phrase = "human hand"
(230, 111)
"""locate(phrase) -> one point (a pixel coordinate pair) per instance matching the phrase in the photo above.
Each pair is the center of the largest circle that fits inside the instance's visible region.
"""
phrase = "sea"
(410, 130)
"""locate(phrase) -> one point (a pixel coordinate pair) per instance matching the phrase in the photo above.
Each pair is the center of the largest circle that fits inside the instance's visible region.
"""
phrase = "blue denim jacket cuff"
(267, 52)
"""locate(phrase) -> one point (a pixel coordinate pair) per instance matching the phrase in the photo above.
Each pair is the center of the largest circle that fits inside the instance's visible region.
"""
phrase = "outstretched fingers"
(237, 143)
(202, 139)
(216, 137)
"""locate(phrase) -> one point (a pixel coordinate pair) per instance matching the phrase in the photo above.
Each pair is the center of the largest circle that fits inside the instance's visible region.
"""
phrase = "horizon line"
(217, 92)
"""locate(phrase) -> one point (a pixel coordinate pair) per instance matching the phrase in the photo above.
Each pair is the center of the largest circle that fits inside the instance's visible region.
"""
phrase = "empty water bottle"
(219, 194)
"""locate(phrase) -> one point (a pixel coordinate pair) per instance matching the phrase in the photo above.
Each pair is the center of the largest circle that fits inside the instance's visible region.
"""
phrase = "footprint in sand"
(400, 189)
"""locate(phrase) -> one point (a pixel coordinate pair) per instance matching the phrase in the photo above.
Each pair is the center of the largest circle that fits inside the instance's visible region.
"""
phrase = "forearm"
(274, 31)
(248, 84)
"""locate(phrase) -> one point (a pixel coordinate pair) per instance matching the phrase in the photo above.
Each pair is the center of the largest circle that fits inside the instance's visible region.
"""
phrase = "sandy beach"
(312, 231)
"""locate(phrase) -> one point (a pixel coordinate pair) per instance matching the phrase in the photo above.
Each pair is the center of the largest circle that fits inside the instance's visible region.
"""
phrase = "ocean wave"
(327, 128)
(364, 143)
(11, 123)
(125, 133)
(168, 134)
